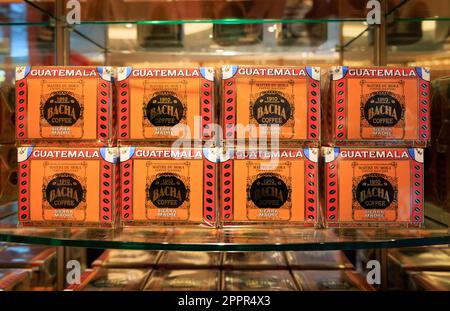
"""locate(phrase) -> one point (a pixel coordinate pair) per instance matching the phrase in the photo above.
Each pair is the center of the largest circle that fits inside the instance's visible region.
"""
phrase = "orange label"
(163, 108)
(167, 190)
(269, 195)
(266, 101)
(62, 108)
(64, 190)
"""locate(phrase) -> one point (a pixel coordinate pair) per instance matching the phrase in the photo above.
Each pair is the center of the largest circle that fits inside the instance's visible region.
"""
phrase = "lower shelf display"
(226, 239)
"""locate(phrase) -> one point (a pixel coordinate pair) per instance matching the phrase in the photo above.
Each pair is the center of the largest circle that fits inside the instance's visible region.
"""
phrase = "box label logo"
(62, 109)
(164, 109)
(382, 109)
(167, 191)
(64, 191)
(375, 191)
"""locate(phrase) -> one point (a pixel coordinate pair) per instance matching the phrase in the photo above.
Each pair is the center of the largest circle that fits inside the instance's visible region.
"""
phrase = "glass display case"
(214, 33)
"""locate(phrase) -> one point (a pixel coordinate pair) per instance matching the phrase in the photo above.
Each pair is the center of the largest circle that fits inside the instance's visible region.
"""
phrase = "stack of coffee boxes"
(270, 118)
(165, 121)
(66, 146)
(376, 121)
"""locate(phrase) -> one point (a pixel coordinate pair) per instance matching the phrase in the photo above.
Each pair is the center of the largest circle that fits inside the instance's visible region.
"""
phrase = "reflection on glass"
(306, 34)
(156, 36)
(239, 34)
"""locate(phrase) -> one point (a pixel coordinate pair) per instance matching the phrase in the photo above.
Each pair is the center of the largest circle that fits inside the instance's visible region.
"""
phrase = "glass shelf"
(227, 239)
(155, 12)
(223, 21)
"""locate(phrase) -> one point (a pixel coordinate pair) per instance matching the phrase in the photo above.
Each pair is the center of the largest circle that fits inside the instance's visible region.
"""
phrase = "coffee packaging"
(404, 261)
(167, 186)
(276, 186)
(57, 104)
(430, 281)
(379, 106)
(164, 104)
(40, 260)
(318, 260)
(190, 260)
(373, 186)
(254, 260)
(68, 186)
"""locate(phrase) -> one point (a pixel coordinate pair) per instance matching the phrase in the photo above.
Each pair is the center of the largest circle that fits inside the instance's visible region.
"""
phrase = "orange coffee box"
(379, 106)
(165, 103)
(189, 260)
(437, 177)
(8, 174)
(68, 186)
(15, 279)
(274, 186)
(166, 186)
(272, 102)
(59, 104)
(373, 186)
